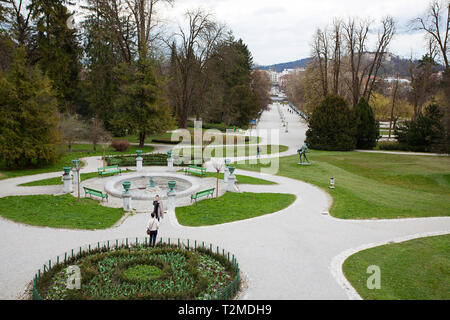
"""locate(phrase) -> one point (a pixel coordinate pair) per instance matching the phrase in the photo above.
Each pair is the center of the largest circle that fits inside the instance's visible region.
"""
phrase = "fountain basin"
(140, 185)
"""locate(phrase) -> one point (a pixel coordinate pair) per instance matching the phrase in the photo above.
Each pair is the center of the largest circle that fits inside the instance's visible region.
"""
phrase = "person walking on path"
(152, 229)
(158, 208)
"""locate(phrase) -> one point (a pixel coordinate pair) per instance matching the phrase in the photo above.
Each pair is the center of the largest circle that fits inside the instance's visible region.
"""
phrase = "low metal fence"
(226, 293)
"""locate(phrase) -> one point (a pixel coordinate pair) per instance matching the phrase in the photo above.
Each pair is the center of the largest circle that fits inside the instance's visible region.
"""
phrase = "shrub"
(367, 128)
(331, 126)
(424, 132)
(120, 145)
(392, 146)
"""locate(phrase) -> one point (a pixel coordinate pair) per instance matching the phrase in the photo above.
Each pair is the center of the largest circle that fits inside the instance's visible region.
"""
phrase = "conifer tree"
(367, 128)
(28, 116)
(331, 126)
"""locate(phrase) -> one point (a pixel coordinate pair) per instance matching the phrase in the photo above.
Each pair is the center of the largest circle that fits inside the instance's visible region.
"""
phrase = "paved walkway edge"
(337, 263)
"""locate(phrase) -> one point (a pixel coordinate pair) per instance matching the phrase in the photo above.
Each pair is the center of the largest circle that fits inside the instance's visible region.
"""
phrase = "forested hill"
(390, 68)
(286, 65)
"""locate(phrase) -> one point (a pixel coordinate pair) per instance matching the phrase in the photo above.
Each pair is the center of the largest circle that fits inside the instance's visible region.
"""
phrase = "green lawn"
(167, 137)
(59, 212)
(376, 185)
(78, 151)
(236, 151)
(58, 181)
(416, 269)
(241, 179)
(232, 207)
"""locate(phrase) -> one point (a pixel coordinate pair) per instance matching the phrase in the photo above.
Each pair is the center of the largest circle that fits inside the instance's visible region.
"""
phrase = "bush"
(367, 128)
(120, 145)
(331, 126)
(392, 146)
(423, 133)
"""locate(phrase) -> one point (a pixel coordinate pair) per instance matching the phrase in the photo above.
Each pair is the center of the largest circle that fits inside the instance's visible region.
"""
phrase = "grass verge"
(59, 212)
(411, 270)
(383, 186)
(78, 151)
(232, 207)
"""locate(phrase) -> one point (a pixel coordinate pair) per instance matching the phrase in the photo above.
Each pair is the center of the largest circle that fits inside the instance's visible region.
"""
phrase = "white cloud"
(282, 30)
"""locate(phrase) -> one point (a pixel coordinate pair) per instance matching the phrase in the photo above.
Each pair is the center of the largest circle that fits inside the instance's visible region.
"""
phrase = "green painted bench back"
(94, 192)
(203, 193)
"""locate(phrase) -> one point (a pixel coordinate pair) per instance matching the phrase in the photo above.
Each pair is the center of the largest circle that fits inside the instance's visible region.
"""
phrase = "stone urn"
(172, 185)
(139, 153)
(67, 170)
(231, 170)
(126, 185)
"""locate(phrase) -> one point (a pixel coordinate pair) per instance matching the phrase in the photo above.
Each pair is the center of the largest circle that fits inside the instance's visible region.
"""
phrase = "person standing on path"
(157, 208)
(152, 229)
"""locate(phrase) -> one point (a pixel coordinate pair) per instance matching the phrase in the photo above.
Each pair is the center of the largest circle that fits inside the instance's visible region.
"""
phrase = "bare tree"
(384, 39)
(321, 54)
(437, 25)
(336, 38)
(192, 57)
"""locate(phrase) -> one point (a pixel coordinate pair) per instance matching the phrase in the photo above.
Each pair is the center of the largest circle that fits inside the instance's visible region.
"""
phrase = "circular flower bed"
(141, 272)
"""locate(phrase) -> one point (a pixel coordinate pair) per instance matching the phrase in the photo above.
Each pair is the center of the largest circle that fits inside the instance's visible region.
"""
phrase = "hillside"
(390, 68)
(286, 65)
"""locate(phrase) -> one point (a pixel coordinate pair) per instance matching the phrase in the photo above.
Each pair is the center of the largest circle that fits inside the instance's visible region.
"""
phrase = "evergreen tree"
(28, 116)
(58, 50)
(424, 132)
(331, 126)
(140, 99)
(367, 127)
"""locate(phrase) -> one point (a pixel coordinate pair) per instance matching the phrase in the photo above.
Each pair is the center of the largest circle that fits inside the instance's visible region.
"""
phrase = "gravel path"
(291, 254)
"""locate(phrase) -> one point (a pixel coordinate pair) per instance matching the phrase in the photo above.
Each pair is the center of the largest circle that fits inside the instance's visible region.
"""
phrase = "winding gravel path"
(295, 253)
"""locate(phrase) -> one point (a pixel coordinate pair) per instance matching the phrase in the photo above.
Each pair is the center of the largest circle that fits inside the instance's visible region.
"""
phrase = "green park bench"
(93, 192)
(196, 170)
(109, 170)
(208, 192)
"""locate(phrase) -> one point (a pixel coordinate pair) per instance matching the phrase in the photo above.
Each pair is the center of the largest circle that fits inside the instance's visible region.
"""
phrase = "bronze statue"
(302, 153)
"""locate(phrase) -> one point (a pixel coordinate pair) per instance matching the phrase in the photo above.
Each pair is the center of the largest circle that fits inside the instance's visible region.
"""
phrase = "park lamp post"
(76, 168)
(332, 183)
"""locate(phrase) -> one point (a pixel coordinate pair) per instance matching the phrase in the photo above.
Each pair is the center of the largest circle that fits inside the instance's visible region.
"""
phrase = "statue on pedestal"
(302, 153)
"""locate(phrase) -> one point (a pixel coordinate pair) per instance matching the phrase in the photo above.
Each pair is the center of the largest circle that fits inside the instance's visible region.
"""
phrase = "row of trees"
(116, 67)
(343, 65)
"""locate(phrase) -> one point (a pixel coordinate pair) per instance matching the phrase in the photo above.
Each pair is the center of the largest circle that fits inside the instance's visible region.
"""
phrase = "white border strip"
(338, 261)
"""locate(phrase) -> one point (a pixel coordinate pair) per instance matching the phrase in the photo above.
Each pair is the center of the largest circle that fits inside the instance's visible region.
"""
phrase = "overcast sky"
(281, 30)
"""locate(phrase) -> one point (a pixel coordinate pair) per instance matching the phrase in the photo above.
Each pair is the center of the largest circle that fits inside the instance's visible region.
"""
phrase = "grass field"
(78, 151)
(416, 269)
(59, 212)
(232, 207)
(382, 186)
(168, 135)
(58, 181)
(235, 151)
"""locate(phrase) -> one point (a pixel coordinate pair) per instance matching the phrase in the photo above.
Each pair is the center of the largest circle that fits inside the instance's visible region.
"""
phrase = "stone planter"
(126, 185)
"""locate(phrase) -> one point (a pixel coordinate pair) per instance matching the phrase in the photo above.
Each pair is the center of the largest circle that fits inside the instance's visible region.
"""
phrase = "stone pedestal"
(68, 187)
(231, 183)
(170, 164)
(127, 202)
(75, 177)
(226, 174)
(139, 163)
(171, 202)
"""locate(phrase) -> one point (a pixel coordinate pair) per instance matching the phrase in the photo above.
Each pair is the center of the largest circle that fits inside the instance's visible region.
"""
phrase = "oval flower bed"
(142, 272)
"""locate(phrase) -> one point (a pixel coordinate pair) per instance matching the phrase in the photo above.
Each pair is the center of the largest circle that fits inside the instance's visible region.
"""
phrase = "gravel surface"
(286, 255)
